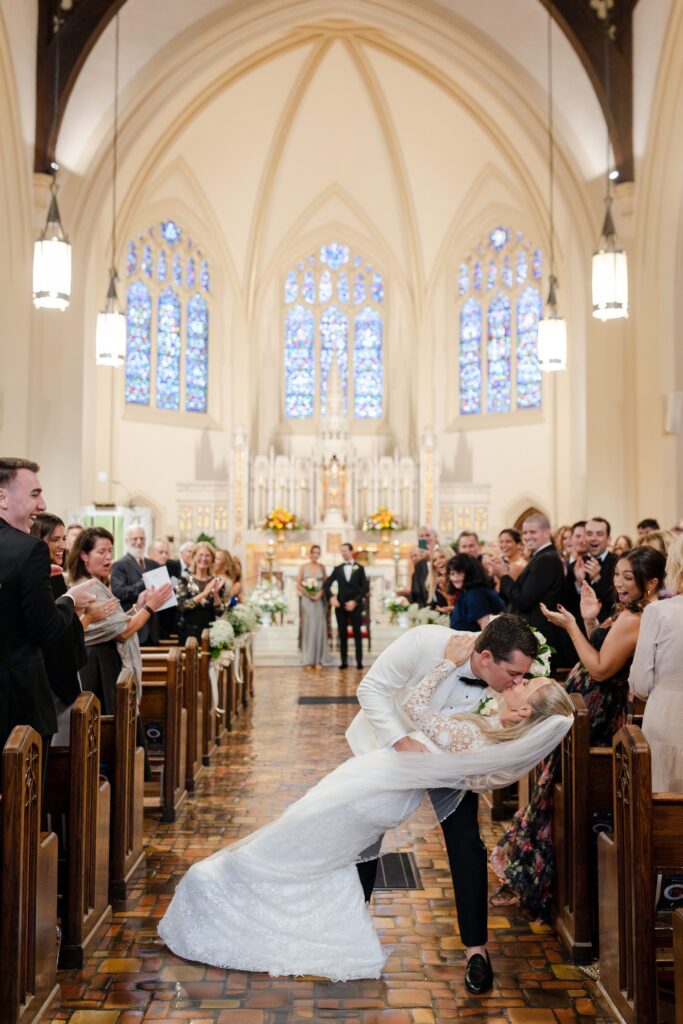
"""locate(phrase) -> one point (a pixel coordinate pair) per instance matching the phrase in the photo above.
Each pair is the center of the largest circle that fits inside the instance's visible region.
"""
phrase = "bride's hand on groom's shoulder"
(459, 648)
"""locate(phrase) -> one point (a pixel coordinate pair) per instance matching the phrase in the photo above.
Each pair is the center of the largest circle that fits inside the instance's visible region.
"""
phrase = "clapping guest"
(597, 565)
(438, 595)
(237, 591)
(111, 643)
(524, 858)
(200, 595)
(512, 551)
(222, 568)
(656, 675)
(127, 581)
(477, 599)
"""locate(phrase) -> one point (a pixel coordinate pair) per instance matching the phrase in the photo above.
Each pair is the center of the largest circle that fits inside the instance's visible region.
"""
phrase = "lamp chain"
(551, 157)
(115, 148)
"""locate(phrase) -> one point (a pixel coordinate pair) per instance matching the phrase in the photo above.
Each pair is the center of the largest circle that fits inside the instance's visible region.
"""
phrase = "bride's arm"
(448, 733)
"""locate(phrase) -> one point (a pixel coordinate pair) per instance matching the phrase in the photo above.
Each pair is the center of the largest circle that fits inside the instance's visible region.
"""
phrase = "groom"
(502, 654)
(352, 586)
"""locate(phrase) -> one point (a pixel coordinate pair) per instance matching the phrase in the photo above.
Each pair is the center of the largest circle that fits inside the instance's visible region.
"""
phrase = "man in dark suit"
(598, 564)
(127, 583)
(352, 586)
(160, 552)
(29, 614)
(541, 581)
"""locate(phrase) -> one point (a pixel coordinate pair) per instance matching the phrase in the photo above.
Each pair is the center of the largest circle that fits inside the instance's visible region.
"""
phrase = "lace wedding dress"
(287, 899)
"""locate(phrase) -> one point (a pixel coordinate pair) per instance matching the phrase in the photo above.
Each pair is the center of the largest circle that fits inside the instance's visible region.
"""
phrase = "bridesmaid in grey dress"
(314, 652)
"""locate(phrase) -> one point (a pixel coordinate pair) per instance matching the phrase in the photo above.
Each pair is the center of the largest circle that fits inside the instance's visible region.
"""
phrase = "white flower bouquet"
(540, 667)
(268, 598)
(221, 637)
(311, 585)
(395, 603)
(426, 617)
(244, 619)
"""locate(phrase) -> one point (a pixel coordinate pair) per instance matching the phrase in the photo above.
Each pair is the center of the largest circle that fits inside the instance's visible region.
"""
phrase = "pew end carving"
(162, 707)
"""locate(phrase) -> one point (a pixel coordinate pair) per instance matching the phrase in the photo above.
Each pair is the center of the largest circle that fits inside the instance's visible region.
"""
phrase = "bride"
(287, 899)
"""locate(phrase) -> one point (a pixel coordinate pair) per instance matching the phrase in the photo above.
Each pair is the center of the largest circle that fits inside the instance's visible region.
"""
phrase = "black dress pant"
(468, 863)
(343, 620)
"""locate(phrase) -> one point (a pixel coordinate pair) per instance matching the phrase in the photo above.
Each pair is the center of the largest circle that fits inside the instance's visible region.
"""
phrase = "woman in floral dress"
(524, 859)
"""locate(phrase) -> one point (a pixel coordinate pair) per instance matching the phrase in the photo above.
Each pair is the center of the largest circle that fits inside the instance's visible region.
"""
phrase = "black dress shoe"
(343, 665)
(479, 974)
(359, 665)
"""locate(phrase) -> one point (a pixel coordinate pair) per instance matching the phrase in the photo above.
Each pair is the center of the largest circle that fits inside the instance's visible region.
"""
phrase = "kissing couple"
(443, 713)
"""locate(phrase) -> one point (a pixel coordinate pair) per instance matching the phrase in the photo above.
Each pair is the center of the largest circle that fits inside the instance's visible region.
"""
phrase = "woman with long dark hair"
(477, 600)
(524, 858)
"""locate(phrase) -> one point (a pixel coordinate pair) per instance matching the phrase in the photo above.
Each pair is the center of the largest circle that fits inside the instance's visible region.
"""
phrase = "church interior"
(283, 273)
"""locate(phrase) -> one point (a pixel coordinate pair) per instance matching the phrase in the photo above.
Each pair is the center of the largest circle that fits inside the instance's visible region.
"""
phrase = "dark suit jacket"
(29, 618)
(418, 587)
(65, 655)
(542, 580)
(354, 590)
(127, 584)
(603, 588)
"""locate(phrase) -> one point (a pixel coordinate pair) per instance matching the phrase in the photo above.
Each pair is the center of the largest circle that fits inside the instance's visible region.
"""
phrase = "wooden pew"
(28, 886)
(209, 715)
(194, 705)
(583, 790)
(123, 763)
(77, 793)
(250, 667)
(162, 709)
(648, 837)
(678, 963)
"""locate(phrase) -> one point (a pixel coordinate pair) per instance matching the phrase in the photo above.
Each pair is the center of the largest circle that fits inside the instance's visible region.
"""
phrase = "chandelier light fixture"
(552, 328)
(610, 266)
(52, 251)
(110, 336)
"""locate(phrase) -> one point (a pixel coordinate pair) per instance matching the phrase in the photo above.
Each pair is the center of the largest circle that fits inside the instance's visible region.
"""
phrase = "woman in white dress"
(287, 899)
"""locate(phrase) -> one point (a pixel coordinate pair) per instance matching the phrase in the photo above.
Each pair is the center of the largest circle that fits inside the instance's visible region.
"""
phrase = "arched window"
(333, 310)
(167, 321)
(500, 305)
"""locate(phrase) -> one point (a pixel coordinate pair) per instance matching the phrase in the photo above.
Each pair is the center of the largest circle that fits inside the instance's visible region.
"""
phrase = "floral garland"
(280, 519)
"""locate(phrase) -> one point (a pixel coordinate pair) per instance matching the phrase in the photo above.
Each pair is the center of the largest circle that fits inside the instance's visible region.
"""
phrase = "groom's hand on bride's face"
(411, 745)
(459, 648)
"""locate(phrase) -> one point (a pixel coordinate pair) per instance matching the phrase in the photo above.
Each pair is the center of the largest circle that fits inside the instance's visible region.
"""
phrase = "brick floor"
(278, 749)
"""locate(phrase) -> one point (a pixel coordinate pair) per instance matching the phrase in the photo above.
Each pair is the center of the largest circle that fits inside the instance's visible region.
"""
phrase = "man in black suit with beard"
(352, 586)
(541, 581)
(127, 583)
(30, 617)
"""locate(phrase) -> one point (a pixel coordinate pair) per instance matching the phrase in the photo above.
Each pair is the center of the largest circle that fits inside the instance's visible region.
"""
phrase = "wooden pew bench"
(647, 840)
(79, 798)
(582, 804)
(154, 665)
(123, 764)
(28, 886)
(209, 715)
(678, 963)
(164, 720)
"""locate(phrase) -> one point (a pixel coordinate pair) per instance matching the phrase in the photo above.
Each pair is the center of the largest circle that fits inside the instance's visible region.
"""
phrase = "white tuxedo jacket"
(381, 720)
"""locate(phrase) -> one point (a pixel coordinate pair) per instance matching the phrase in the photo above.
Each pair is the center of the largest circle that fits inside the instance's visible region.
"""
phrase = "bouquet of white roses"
(426, 616)
(221, 637)
(396, 603)
(311, 585)
(268, 598)
(244, 619)
(540, 667)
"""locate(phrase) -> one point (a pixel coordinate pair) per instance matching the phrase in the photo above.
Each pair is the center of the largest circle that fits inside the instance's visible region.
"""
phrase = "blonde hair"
(547, 700)
(443, 551)
(660, 540)
(674, 566)
(207, 547)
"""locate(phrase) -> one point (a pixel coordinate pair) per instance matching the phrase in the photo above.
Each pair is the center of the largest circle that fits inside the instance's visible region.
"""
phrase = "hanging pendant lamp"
(552, 328)
(110, 335)
(609, 265)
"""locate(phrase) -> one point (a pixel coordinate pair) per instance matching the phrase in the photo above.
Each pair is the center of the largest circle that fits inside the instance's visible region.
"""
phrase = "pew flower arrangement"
(426, 616)
(221, 640)
(396, 604)
(268, 597)
(382, 520)
(244, 619)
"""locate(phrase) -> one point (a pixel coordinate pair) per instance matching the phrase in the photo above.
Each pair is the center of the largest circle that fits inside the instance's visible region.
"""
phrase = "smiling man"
(29, 615)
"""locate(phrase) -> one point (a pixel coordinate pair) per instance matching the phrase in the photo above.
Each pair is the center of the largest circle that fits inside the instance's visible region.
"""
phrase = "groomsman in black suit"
(30, 617)
(127, 583)
(541, 581)
(352, 586)
(598, 564)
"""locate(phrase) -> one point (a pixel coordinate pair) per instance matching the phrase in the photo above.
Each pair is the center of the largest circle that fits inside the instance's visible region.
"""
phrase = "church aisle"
(275, 752)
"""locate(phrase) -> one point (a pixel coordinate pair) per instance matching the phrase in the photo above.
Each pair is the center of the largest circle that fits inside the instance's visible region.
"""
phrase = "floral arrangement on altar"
(221, 638)
(310, 585)
(280, 519)
(244, 619)
(268, 597)
(426, 617)
(382, 520)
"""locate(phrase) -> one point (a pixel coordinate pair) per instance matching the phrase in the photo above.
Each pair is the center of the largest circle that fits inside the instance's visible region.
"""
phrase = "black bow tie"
(474, 682)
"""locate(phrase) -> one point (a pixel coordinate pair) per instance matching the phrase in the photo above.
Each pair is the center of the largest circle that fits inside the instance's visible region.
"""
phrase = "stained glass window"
(470, 358)
(167, 354)
(500, 265)
(331, 282)
(138, 344)
(299, 363)
(197, 355)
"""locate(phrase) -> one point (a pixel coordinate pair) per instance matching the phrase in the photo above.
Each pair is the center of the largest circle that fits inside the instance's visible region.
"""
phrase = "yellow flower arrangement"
(383, 519)
(280, 519)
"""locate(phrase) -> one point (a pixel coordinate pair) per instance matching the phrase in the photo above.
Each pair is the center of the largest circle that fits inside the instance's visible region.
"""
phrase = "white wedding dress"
(287, 899)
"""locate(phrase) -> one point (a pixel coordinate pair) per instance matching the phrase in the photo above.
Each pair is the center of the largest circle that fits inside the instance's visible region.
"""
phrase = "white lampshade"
(52, 263)
(610, 284)
(552, 343)
(110, 335)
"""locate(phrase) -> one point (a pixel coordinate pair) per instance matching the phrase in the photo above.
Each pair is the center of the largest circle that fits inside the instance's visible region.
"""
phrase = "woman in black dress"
(200, 595)
(477, 600)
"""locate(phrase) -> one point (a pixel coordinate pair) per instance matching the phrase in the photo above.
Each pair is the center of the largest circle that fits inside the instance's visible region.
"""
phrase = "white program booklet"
(157, 578)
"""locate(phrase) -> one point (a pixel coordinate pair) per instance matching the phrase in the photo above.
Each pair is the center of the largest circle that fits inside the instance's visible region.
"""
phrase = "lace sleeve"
(448, 733)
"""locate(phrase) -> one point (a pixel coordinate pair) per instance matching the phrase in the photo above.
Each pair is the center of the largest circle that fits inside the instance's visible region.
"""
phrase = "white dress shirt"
(348, 569)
